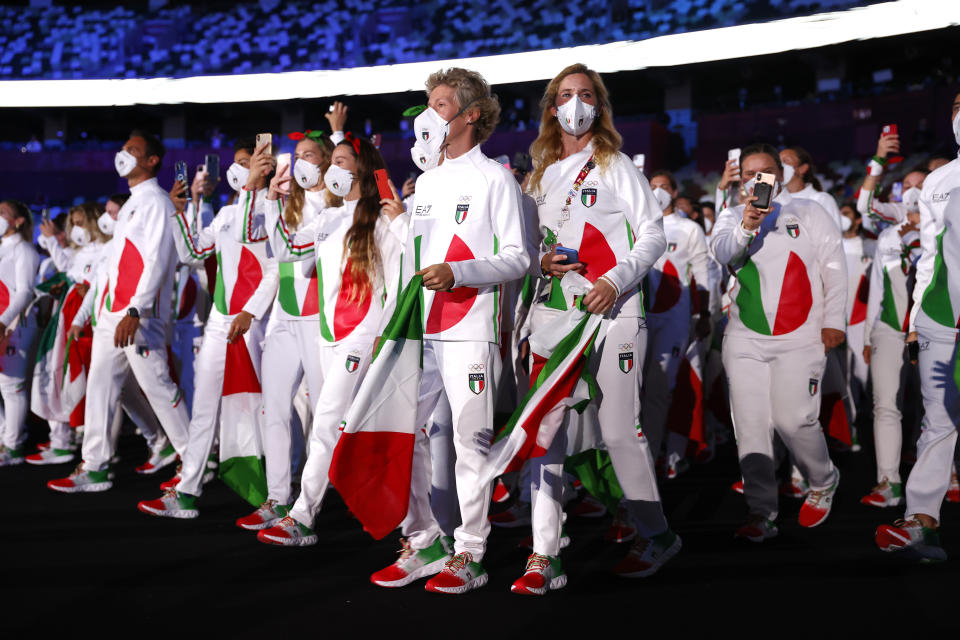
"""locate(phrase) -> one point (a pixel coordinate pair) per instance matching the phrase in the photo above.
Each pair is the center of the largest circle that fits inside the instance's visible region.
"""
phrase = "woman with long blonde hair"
(598, 217)
(77, 262)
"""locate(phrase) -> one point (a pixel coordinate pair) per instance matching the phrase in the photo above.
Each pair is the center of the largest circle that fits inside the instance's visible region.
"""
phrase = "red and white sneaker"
(885, 494)
(911, 535)
(414, 564)
(542, 574)
(757, 529)
(288, 533)
(43, 446)
(797, 488)
(816, 506)
(621, 530)
(171, 505)
(589, 507)
(516, 516)
(953, 493)
(51, 456)
(501, 493)
(267, 514)
(737, 487)
(647, 555)
(160, 457)
(83, 481)
(460, 574)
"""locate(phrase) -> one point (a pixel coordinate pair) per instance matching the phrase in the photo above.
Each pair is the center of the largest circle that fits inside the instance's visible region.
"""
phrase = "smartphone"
(763, 189)
(734, 154)
(572, 256)
(889, 130)
(285, 160)
(264, 139)
(45, 214)
(896, 192)
(180, 175)
(380, 175)
(212, 162)
(639, 160)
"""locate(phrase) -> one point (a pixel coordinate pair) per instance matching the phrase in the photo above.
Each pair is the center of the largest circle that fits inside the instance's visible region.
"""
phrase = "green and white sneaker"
(885, 494)
(460, 574)
(171, 505)
(542, 574)
(267, 514)
(414, 564)
(10, 457)
(83, 481)
(911, 535)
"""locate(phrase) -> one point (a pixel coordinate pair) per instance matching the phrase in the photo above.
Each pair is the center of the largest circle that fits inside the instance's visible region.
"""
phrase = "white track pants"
(446, 370)
(857, 365)
(291, 353)
(14, 367)
(210, 365)
(667, 339)
(109, 368)
(775, 387)
(618, 412)
(887, 372)
(930, 477)
(187, 338)
(443, 473)
(342, 367)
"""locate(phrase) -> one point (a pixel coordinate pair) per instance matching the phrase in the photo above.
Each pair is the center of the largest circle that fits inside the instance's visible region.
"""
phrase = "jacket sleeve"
(157, 251)
(877, 214)
(61, 257)
(288, 245)
(833, 275)
(646, 222)
(875, 296)
(262, 297)
(729, 241)
(931, 225)
(510, 259)
(391, 239)
(252, 205)
(25, 273)
(193, 249)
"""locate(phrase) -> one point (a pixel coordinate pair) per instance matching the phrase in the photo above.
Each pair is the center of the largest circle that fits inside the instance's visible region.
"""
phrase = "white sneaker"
(414, 564)
(542, 574)
(460, 574)
(647, 555)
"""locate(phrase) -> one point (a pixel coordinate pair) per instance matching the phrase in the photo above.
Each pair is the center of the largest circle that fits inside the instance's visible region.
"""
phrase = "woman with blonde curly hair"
(77, 262)
(593, 201)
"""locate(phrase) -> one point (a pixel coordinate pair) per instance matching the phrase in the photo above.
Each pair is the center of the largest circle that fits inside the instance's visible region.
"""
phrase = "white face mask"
(431, 132)
(80, 236)
(707, 225)
(106, 223)
(306, 173)
(4, 226)
(663, 198)
(956, 128)
(845, 223)
(911, 198)
(576, 117)
(788, 172)
(124, 163)
(237, 177)
(338, 180)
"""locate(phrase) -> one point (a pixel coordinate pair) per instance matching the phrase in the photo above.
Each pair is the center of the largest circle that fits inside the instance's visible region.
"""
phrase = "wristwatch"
(133, 313)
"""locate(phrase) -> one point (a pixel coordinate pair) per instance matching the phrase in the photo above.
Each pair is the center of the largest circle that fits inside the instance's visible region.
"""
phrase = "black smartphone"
(212, 163)
(180, 175)
(763, 189)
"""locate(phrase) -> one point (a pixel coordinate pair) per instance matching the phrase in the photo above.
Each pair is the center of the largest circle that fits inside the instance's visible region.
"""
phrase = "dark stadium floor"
(93, 561)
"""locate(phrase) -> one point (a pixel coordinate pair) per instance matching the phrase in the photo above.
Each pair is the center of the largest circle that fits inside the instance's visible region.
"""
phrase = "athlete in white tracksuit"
(246, 286)
(131, 332)
(886, 324)
(349, 315)
(18, 325)
(935, 317)
(787, 303)
(79, 263)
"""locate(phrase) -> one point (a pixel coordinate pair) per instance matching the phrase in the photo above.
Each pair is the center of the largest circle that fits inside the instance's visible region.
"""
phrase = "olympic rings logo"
(466, 198)
(476, 367)
(626, 346)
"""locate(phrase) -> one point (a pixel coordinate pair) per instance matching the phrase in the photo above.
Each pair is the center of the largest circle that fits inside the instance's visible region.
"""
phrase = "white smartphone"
(639, 160)
(734, 154)
(264, 139)
(284, 160)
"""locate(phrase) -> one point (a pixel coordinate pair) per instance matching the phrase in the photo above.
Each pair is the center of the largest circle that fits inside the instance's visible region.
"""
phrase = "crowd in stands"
(67, 41)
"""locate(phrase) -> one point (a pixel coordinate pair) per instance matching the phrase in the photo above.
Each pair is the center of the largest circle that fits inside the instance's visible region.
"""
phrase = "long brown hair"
(360, 239)
(293, 208)
(547, 148)
(810, 177)
(21, 210)
(91, 213)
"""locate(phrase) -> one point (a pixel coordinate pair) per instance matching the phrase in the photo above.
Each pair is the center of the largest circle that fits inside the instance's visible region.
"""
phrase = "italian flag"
(59, 376)
(373, 461)
(241, 452)
(685, 418)
(561, 351)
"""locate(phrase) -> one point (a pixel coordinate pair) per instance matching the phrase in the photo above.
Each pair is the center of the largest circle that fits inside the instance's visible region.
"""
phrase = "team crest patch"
(425, 135)
(143, 352)
(626, 361)
(462, 213)
(588, 197)
(793, 230)
(352, 363)
(476, 379)
(671, 246)
(814, 384)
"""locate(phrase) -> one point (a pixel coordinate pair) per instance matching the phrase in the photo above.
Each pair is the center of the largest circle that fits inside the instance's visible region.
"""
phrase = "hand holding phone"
(181, 176)
(383, 184)
(284, 164)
